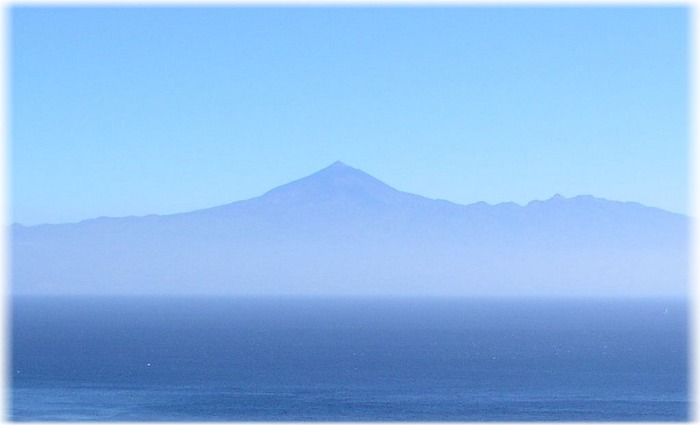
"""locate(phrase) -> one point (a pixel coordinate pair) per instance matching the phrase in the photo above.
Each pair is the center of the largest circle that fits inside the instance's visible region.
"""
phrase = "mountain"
(341, 231)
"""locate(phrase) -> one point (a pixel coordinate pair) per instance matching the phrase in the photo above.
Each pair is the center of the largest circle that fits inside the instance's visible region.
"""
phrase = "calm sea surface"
(352, 359)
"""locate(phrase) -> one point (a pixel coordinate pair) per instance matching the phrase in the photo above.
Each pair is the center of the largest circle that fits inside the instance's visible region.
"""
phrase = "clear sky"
(132, 111)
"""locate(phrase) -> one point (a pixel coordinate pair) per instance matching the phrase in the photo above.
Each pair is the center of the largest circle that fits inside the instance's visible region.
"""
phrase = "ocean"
(348, 359)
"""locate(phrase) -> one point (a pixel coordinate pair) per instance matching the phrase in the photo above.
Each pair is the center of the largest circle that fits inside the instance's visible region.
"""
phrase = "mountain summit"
(341, 231)
(338, 183)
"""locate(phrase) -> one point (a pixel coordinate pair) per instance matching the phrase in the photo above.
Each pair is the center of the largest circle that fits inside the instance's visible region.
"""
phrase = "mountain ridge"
(343, 232)
(333, 178)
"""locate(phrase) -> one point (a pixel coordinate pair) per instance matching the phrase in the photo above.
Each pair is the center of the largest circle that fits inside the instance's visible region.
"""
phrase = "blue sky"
(132, 111)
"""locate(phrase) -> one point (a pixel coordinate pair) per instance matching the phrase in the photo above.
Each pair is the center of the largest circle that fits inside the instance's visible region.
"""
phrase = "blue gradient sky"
(131, 111)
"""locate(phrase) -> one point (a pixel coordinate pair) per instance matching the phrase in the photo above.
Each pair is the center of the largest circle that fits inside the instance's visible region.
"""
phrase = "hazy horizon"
(342, 231)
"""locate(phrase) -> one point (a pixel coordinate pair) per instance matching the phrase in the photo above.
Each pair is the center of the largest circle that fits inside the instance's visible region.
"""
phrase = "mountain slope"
(341, 231)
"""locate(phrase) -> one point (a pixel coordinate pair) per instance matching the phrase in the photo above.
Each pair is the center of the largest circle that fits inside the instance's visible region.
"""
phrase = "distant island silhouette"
(341, 231)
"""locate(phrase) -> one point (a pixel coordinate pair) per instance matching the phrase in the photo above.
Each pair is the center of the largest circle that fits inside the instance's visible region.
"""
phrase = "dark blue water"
(325, 359)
